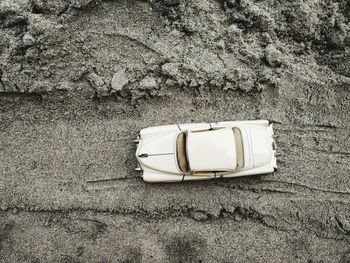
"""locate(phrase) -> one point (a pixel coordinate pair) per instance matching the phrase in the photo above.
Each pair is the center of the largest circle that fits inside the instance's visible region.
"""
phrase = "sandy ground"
(79, 78)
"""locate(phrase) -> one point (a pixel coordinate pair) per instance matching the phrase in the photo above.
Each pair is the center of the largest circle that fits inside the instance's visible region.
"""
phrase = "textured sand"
(79, 78)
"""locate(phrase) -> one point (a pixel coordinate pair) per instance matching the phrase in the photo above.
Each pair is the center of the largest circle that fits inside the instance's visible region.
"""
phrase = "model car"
(202, 151)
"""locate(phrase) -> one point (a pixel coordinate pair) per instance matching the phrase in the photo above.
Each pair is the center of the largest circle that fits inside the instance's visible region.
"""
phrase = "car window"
(202, 173)
(181, 152)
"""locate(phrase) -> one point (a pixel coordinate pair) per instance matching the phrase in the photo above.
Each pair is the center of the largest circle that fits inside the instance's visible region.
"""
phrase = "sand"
(80, 78)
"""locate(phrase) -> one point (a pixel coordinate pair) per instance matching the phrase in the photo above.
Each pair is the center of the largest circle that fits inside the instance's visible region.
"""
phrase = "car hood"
(158, 152)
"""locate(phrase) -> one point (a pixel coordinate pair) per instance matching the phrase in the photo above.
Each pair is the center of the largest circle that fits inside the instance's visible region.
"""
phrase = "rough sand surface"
(79, 78)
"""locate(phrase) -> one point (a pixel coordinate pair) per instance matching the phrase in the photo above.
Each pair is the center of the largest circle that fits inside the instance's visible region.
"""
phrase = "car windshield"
(181, 152)
(239, 147)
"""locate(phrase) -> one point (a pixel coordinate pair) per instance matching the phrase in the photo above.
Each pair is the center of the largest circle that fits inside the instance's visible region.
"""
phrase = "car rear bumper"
(274, 146)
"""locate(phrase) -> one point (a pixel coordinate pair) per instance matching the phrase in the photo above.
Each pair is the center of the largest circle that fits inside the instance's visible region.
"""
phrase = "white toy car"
(202, 151)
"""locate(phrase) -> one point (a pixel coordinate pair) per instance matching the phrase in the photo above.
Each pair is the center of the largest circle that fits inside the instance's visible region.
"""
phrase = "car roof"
(211, 150)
